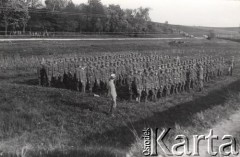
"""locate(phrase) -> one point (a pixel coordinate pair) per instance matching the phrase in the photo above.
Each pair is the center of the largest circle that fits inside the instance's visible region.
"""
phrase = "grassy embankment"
(198, 120)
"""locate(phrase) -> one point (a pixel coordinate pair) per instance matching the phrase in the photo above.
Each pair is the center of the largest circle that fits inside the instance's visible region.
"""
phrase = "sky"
(213, 13)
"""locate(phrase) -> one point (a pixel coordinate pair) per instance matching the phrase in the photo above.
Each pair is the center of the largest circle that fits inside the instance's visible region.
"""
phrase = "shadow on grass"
(19, 79)
(82, 105)
(89, 102)
(122, 137)
(33, 82)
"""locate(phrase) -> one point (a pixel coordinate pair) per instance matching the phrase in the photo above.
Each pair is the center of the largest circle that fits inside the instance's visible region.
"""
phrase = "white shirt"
(112, 88)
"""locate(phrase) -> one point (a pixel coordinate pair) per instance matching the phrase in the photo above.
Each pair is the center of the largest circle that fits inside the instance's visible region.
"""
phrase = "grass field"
(40, 121)
(200, 31)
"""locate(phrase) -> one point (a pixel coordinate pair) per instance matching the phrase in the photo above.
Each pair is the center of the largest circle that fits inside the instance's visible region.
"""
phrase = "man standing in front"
(113, 93)
(230, 68)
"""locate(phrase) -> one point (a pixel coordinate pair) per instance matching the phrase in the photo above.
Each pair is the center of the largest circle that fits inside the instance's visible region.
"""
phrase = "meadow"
(41, 121)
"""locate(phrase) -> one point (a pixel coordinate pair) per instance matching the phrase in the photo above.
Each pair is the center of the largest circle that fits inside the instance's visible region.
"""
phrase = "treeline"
(65, 16)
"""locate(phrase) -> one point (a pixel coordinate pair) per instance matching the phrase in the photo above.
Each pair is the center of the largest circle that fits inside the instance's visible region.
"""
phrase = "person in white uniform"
(112, 93)
(230, 68)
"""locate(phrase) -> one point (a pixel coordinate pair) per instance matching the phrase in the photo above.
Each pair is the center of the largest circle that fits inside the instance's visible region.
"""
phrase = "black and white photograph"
(119, 78)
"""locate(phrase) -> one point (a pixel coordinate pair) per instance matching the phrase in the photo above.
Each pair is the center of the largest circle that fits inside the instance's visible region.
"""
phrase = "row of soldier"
(139, 77)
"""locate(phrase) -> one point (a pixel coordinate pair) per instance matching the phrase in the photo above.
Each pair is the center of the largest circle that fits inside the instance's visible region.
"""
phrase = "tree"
(166, 27)
(93, 16)
(82, 24)
(138, 19)
(66, 22)
(70, 7)
(130, 19)
(15, 14)
(99, 25)
(141, 17)
(34, 4)
(116, 19)
(95, 9)
(211, 35)
(54, 5)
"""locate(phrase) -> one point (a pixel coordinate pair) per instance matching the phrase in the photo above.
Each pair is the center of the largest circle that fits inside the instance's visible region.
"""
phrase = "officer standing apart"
(112, 93)
(230, 68)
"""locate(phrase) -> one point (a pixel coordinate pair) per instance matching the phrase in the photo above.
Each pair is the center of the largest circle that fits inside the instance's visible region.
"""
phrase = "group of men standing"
(140, 77)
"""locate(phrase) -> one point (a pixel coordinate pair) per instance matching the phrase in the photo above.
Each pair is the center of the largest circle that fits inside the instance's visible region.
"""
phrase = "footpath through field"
(230, 126)
(87, 39)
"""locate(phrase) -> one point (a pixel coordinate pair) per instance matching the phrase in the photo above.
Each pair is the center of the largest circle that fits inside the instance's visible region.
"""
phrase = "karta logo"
(154, 144)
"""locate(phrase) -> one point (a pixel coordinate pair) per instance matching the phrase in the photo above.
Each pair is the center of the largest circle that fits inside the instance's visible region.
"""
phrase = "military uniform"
(201, 77)
(138, 84)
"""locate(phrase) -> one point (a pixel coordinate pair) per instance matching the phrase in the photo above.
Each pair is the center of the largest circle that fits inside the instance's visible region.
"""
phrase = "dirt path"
(229, 126)
(87, 39)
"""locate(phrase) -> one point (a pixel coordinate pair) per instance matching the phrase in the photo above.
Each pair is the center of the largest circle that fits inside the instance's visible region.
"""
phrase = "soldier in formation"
(142, 77)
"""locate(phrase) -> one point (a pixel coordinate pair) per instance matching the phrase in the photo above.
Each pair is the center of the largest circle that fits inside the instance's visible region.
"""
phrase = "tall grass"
(202, 121)
(17, 62)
